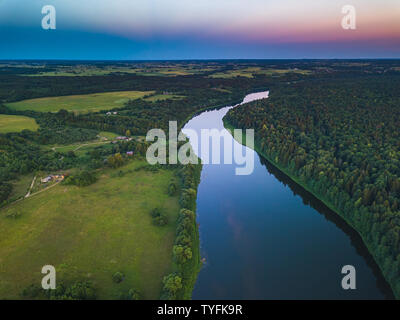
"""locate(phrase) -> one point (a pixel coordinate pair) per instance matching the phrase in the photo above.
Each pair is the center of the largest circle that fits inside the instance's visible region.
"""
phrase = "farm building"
(47, 179)
(52, 177)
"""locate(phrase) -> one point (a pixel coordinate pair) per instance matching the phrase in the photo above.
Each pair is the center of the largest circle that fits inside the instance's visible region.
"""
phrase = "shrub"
(80, 291)
(172, 284)
(13, 214)
(134, 294)
(159, 217)
(172, 188)
(32, 291)
(115, 160)
(81, 179)
(118, 277)
(182, 254)
(160, 220)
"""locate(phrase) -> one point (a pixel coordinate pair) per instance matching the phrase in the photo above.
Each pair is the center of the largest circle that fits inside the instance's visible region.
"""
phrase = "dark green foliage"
(159, 217)
(32, 291)
(341, 139)
(182, 254)
(13, 214)
(81, 179)
(80, 290)
(115, 161)
(118, 277)
(132, 294)
(172, 285)
(172, 188)
(5, 191)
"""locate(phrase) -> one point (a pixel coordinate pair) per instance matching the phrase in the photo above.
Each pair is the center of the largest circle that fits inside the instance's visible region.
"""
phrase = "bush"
(80, 290)
(182, 254)
(172, 188)
(118, 277)
(155, 212)
(172, 284)
(115, 160)
(13, 214)
(81, 179)
(32, 291)
(159, 217)
(5, 191)
(134, 294)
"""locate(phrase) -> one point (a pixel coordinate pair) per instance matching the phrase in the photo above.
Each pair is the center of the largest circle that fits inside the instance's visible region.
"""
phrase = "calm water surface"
(264, 237)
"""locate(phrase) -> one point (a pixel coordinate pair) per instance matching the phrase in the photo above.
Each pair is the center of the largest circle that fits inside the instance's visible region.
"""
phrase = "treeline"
(19, 87)
(186, 255)
(341, 140)
(139, 116)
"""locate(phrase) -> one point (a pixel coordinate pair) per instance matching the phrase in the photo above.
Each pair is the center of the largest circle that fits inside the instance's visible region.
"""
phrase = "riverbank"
(320, 197)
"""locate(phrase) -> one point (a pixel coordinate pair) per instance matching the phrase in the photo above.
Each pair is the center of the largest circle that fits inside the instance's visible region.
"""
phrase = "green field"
(249, 72)
(145, 69)
(79, 103)
(92, 232)
(158, 97)
(10, 123)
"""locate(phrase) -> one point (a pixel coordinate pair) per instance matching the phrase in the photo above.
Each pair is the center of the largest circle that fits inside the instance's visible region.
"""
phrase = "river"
(264, 237)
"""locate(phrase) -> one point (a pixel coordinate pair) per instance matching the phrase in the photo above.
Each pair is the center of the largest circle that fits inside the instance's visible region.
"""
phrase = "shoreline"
(228, 126)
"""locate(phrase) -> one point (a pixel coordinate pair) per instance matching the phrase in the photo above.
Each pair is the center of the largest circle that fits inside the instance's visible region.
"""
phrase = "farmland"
(251, 71)
(92, 232)
(10, 123)
(79, 103)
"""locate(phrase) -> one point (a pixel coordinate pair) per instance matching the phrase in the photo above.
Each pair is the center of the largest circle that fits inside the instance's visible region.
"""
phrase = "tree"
(115, 160)
(118, 277)
(172, 284)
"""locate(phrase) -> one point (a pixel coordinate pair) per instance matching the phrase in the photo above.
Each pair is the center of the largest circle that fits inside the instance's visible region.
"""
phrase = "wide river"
(264, 237)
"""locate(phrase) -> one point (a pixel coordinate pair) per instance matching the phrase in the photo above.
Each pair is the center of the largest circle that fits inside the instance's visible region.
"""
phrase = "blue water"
(264, 237)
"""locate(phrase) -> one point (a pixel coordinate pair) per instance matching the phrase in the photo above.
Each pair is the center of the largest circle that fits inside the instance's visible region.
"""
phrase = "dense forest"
(340, 139)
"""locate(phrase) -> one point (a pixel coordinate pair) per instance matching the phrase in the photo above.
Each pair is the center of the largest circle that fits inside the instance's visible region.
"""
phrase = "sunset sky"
(202, 29)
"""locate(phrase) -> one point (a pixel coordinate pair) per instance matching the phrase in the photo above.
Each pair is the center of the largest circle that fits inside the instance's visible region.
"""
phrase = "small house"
(47, 179)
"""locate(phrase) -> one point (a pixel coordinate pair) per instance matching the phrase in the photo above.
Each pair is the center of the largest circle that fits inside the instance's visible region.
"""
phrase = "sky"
(201, 29)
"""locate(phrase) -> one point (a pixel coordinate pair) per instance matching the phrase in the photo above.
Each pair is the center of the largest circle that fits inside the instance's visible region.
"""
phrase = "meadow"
(249, 72)
(80, 103)
(90, 233)
(9, 123)
(142, 69)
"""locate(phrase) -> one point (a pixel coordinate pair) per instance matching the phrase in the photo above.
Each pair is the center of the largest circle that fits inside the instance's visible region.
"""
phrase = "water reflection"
(356, 241)
(264, 237)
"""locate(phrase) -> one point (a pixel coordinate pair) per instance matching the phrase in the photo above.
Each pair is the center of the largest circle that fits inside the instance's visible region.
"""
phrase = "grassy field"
(108, 135)
(158, 97)
(91, 233)
(248, 72)
(145, 69)
(21, 186)
(104, 138)
(79, 103)
(10, 123)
